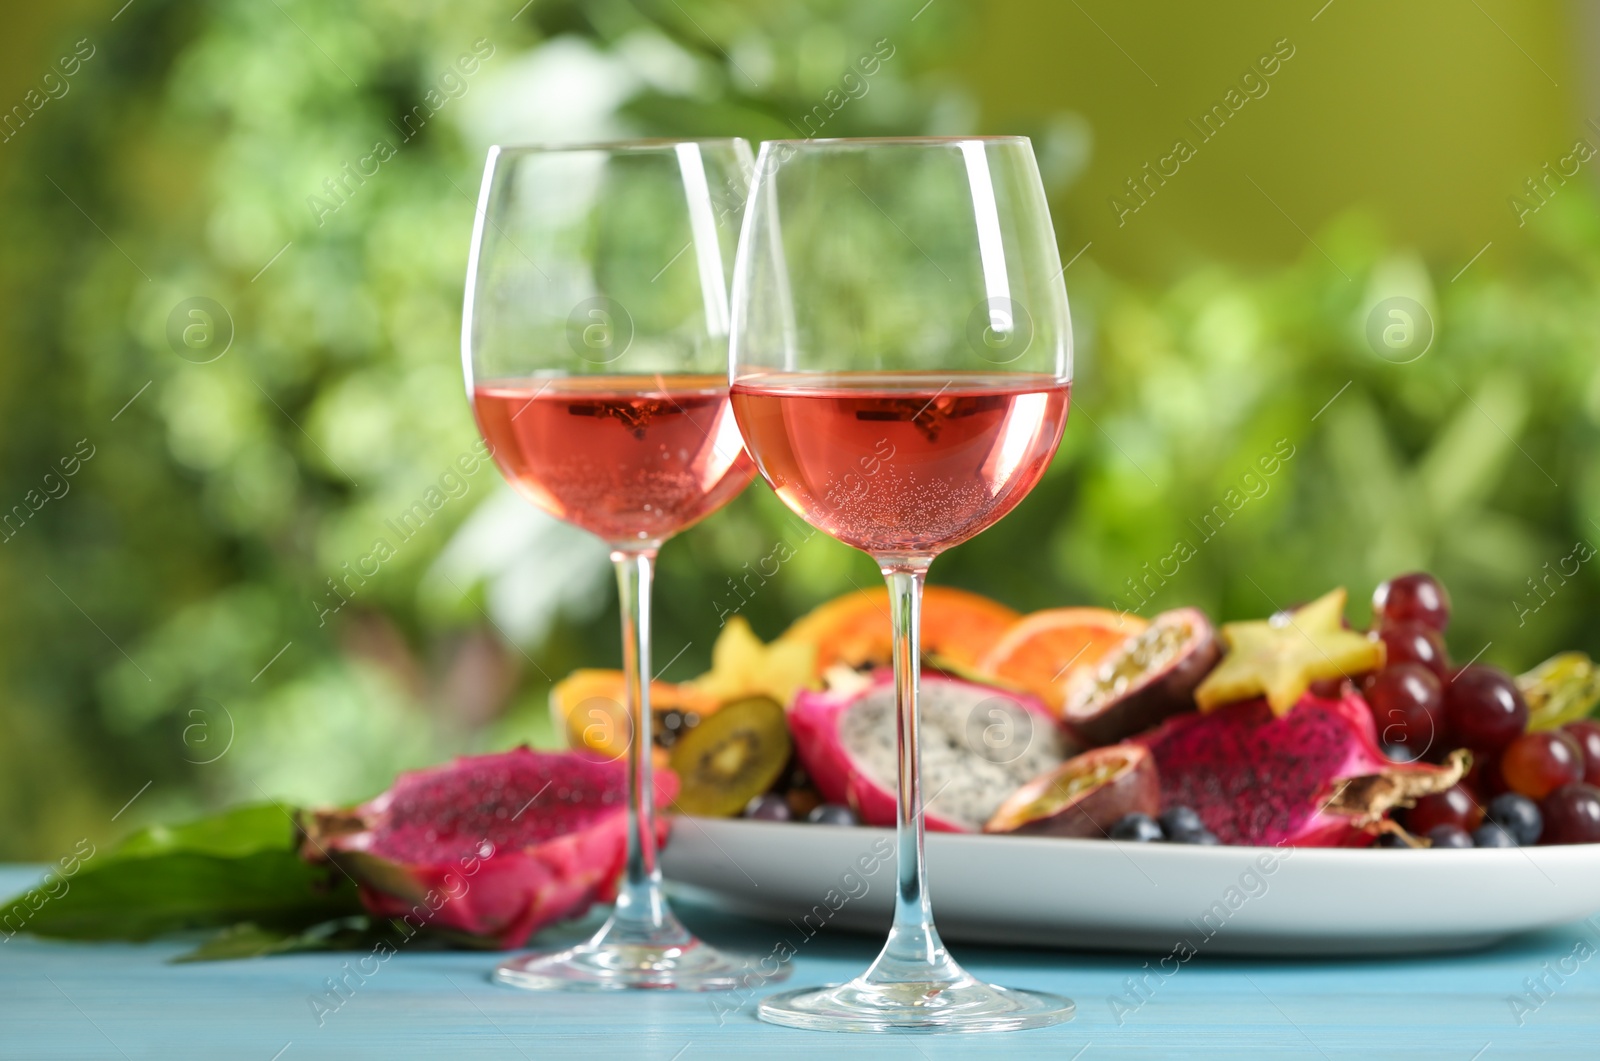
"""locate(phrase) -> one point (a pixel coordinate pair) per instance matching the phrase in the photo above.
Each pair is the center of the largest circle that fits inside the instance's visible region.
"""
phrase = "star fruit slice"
(1280, 657)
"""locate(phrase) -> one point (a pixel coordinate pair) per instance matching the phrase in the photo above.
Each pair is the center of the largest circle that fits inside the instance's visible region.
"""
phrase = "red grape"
(1572, 815)
(1483, 709)
(1484, 780)
(1406, 701)
(1414, 643)
(1454, 806)
(1413, 598)
(1536, 764)
(1586, 731)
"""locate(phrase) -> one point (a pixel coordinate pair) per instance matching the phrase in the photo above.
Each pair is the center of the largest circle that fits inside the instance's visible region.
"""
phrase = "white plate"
(1099, 893)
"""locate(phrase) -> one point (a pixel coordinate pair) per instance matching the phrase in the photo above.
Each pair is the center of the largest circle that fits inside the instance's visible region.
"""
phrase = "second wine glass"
(900, 366)
(593, 340)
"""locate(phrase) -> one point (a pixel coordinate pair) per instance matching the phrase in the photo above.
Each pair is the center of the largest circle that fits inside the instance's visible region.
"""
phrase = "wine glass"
(594, 341)
(900, 362)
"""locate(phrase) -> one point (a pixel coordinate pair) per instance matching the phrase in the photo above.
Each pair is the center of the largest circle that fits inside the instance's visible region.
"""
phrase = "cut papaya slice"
(590, 708)
(854, 630)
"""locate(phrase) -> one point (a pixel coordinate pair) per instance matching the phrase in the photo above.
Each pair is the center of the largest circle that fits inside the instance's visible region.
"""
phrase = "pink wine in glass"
(627, 458)
(902, 463)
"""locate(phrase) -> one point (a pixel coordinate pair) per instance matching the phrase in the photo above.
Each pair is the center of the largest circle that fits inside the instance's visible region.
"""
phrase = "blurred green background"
(163, 639)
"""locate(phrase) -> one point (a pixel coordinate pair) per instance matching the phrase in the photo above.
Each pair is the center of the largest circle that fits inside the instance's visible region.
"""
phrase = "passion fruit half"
(731, 757)
(1084, 796)
(1146, 679)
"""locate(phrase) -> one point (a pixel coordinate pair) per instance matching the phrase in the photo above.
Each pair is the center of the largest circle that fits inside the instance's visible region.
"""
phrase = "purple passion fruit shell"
(1084, 796)
(1145, 680)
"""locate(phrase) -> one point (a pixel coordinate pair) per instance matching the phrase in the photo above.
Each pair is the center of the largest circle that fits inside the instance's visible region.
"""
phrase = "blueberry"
(1391, 840)
(1205, 838)
(768, 808)
(1449, 836)
(1179, 822)
(1140, 828)
(1491, 835)
(1519, 816)
(831, 814)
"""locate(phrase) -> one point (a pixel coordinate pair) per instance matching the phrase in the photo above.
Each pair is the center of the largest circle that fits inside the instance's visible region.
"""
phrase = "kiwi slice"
(735, 754)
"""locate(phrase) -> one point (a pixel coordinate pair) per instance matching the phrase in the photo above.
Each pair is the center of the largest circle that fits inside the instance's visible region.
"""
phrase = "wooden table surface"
(78, 1001)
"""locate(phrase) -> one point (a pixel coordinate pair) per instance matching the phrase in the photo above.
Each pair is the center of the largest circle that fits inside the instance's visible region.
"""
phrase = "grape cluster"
(1524, 788)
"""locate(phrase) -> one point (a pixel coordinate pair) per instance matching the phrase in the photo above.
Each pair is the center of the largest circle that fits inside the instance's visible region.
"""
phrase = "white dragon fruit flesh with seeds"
(979, 744)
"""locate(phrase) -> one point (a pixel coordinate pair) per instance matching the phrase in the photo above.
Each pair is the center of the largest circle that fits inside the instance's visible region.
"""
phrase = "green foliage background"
(163, 633)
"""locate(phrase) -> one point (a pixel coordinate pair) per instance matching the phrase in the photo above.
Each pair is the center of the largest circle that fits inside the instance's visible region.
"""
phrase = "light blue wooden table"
(81, 1001)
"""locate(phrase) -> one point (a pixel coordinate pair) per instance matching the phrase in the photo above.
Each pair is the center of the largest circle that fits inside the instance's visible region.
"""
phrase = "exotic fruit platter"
(1079, 740)
(1090, 778)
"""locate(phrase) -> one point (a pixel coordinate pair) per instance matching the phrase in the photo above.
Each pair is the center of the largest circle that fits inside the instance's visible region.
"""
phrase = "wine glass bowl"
(594, 345)
(900, 363)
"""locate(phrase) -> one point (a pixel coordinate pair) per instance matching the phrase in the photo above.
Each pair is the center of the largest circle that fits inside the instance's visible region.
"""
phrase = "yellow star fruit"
(1280, 657)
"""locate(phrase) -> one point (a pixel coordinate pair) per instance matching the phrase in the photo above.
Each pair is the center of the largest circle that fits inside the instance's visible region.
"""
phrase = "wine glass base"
(592, 966)
(866, 1006)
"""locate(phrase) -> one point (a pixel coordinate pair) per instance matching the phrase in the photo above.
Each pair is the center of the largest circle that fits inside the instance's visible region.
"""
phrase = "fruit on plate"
(1450, 836)
(1414, 643)
(769, 807)
(1414, 598)
(743, 666)
(1572, 815)
(1518, 815)
(1138, 828)
(1043, 651)
(1146, 678)
(1280, 657)
(1181, 825)
(1454, 806)
(1586, 731)
(1084, 796)
(831, 814)
(731, 757)
(589, 707)
(1536, 764)
(1313, 777)
(957, 626)
(1563, 688)
(1490, 834)
(1483, 709)
(1407, 701)
(979, 743)
(493, 846)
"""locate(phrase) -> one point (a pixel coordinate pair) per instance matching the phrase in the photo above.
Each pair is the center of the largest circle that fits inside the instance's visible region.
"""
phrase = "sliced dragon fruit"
(979, 743)
(494, 846)
(1312, 778)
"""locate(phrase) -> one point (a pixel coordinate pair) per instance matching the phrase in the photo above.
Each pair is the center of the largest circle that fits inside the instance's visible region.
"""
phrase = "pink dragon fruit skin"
(493, 846)
(1257, 779)
(963, 787)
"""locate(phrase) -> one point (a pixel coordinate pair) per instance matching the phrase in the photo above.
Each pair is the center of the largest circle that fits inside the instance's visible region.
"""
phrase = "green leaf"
(231, 834)
(250, 940)
(241, 865)
(137, 898)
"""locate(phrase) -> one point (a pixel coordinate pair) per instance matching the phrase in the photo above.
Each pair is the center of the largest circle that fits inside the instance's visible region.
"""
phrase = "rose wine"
(628, 458)
(904, 463)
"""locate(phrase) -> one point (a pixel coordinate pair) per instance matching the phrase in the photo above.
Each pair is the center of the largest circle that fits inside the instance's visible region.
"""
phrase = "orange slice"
(957, 626)
(589, 708)
(1042, 651)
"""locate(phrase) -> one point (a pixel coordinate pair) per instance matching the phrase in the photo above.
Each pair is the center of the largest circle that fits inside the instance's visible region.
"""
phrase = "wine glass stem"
(640, 909)
(913, 950)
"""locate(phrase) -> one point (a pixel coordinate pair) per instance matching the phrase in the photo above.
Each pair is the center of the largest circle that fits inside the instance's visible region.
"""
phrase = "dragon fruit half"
(978, 744)
(494, 846)
(1313, 778)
